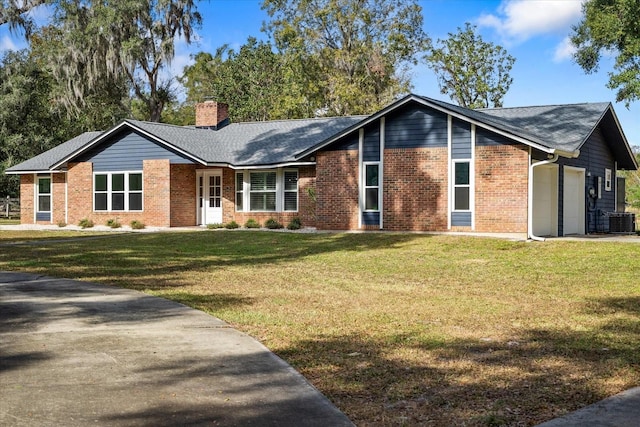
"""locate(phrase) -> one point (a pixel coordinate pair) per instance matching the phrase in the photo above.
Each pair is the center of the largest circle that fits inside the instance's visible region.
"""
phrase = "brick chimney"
(212, 115)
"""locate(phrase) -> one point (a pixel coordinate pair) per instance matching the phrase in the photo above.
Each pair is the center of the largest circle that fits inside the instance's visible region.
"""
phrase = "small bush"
(137, 225)
(215, 226)
(295, 224)
(114, 223)
(232, 225)
(85, 223)
(252, 223)
(62, 224)
(273, 224)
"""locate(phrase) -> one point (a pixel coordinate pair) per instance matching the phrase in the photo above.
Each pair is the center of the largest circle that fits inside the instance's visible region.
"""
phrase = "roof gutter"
(530, 201)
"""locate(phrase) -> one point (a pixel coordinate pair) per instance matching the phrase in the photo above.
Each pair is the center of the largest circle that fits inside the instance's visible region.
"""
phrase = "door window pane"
(44, 203)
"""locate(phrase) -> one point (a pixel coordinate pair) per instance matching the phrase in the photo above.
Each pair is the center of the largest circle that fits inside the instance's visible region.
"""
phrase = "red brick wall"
(80, 192)
(58, 192)
(337, 203)
(183, 195)
(211, 113)
(501, 174)
(157, 194)
(415, 189)
(26, 199)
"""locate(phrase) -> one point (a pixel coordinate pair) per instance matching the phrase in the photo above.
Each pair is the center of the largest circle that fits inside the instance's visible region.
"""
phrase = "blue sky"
(533, 31)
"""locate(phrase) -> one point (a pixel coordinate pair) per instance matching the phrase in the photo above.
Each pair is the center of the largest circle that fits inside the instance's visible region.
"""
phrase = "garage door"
(545, 200)
(573, 201)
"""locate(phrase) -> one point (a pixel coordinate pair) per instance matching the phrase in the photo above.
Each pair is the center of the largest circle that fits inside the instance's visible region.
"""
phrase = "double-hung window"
(462, 186)
(267, 191)
(117, 191)
(262, 191)
(44, 194)
(371, 186)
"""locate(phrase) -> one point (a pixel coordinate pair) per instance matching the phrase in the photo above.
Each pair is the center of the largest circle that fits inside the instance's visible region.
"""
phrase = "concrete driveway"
(75, 354)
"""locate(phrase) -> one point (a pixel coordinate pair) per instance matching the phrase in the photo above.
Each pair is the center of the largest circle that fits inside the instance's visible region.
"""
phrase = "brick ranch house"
(417, 165)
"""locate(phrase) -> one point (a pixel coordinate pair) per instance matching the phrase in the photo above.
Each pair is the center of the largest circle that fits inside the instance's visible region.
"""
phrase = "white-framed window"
(462, 185)
(372, 186)
(267, 190)
(44, 194)
(262, 191)
(239, 191)
(291, 190)
(117, 191)
(607, 179)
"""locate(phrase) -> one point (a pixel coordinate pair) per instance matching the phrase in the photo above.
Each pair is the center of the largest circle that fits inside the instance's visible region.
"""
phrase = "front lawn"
(399, 329)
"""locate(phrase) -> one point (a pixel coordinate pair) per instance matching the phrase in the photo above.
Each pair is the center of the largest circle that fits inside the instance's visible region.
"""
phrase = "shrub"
(252, 223)
(114, 223)
(295, 224)
(85, 223)
(232, 225)
(62, 224)
(215, 226)
(273, 224)
(137, 225)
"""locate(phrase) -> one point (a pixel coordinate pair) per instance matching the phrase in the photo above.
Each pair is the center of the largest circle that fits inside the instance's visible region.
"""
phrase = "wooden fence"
(9, 207)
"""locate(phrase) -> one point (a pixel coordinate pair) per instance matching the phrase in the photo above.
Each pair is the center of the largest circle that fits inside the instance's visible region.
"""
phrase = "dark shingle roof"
(250, 143)
(44, 161)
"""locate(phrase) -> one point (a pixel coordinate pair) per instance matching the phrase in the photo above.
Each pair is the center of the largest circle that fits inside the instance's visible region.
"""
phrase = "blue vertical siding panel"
(415, 126)
(43, 216)
(349, 142)
(460, 140)
(371, 143)
(126, 151)
(461, 219)
(595, 157)
(370, 218)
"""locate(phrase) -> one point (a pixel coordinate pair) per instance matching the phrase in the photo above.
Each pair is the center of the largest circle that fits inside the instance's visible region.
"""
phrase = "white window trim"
(109, 191)
(241, 191)
(280, 189)
(37, 194)
(608, 176)
(454, 185)
(365, 186)
(284, 190)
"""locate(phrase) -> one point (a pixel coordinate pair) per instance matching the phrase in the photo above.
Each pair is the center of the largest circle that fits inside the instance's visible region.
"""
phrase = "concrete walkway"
(75, 354)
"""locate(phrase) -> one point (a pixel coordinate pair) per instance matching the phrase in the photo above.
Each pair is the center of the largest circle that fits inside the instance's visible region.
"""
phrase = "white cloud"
(7, 44)
(520, 20)
(564, 50)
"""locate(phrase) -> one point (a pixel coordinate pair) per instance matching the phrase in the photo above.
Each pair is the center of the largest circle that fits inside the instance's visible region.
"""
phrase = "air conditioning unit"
(622, 222)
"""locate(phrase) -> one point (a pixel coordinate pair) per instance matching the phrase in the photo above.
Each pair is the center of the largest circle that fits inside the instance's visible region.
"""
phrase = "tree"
(103, 41)
(633, 183)
(611, 26)
(351, 53)
(472, 72)
(30, 123)
(256, 82)
(15, 13)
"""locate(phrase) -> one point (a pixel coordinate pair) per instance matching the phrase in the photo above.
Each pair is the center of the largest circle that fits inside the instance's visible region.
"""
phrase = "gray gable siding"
(595, 157)
(126, 151)
(349, 142)
(415, 126)
(371, 143)
(460, 140)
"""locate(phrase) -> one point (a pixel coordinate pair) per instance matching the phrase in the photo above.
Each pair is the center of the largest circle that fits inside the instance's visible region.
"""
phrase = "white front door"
(573, 201)
(210, 197)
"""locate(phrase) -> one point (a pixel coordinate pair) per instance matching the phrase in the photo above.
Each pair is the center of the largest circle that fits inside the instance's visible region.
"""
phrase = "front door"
(210, 197)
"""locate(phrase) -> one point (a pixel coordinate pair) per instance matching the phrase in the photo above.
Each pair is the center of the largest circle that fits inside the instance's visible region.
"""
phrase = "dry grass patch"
(400, 329)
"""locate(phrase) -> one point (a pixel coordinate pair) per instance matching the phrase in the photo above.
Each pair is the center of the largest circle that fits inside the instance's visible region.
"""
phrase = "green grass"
(399, 328)
(8, 221)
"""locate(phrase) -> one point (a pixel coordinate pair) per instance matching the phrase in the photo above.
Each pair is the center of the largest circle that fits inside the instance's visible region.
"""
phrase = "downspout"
(530, 207)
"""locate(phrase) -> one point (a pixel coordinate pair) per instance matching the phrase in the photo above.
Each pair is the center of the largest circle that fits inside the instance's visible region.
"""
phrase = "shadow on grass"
(149, 261)
(543, 374)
